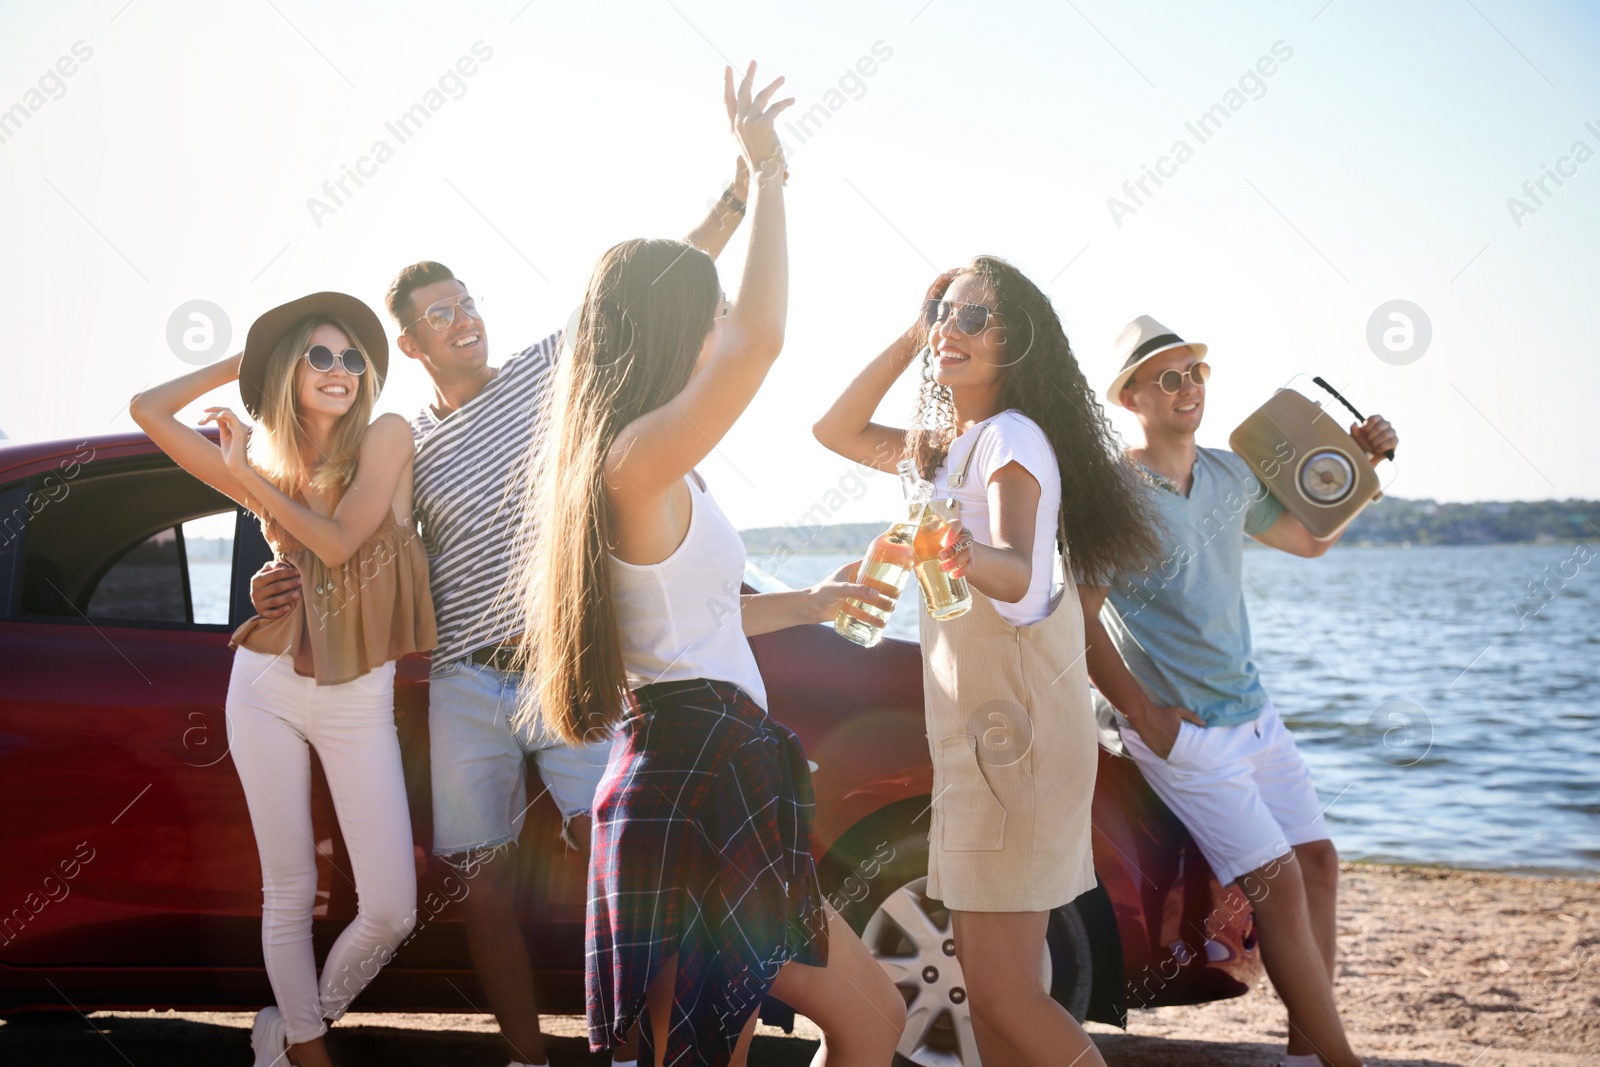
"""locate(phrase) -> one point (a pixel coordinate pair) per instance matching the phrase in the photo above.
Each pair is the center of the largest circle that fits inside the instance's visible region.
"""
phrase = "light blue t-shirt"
(1181, 624)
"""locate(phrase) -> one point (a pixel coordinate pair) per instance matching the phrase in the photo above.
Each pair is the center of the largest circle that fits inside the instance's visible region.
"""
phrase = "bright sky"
(1375, 163)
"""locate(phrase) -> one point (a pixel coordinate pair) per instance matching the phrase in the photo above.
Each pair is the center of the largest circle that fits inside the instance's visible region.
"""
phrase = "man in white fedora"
(1171, 651)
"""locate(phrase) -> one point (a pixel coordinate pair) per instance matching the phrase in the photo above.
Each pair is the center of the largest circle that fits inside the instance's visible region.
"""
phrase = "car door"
(126, 838)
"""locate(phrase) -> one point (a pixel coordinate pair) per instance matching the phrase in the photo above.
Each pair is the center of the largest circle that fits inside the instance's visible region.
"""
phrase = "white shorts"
(1243, 792)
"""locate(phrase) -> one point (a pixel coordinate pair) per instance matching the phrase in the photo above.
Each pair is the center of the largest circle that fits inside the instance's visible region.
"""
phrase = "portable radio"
(1316, 470)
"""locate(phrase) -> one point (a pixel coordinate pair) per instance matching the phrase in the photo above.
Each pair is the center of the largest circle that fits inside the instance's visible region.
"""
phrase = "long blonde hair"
(647, 310)
(277, 446)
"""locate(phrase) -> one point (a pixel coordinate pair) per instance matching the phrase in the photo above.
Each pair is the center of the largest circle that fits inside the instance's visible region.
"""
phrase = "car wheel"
(909, 935)
(1072, 957)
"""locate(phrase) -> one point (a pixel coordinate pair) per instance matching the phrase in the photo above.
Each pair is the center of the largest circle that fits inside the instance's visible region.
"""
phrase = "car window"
(14, 513)
(114, 547)
(176, 575)
(208, 548)
(148, 584)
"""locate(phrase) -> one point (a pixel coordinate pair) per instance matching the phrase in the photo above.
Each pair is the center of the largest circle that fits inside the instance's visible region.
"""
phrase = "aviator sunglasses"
(442, 316)
(321, 358)
(970, 318)
(1172, 380)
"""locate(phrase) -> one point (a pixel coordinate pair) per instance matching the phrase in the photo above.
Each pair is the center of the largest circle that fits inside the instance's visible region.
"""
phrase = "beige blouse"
(373, 608)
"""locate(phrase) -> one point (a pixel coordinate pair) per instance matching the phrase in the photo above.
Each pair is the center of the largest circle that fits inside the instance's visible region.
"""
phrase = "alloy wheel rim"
(910, 937)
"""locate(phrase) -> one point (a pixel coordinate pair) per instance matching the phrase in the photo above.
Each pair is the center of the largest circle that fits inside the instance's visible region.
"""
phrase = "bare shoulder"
(389, 432)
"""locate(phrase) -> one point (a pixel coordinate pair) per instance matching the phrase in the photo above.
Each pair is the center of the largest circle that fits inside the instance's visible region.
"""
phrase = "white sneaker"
(269, 1038)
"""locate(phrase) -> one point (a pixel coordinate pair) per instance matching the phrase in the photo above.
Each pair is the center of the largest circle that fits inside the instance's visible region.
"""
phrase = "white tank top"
(679, 619)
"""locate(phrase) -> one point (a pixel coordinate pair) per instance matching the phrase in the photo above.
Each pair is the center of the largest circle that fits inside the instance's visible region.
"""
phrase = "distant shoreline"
(1392, 522)
(1419, 867)
(768, 548)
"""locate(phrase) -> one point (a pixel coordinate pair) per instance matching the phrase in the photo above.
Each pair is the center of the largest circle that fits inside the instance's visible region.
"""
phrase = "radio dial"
(1327, 477)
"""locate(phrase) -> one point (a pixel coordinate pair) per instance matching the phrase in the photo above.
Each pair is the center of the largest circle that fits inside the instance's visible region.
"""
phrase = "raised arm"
(386, 456)
(847, 427)
(712, 234)
(1288, 534)
(658, 449)
(156, 410)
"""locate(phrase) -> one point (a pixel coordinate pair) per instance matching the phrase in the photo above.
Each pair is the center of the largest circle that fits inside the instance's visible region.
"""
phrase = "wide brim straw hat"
(1142, 339)
(270, 327)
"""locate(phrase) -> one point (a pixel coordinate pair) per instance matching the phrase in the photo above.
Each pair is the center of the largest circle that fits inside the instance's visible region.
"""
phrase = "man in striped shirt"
(470, 476)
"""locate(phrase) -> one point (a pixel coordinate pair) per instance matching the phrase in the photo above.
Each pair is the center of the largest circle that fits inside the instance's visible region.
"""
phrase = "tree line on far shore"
(1390, 521)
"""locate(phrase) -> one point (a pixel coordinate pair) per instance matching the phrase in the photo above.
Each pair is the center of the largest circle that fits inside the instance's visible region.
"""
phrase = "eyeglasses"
(442, 316)
(1172, 380)
(322, 358)
(970, 318)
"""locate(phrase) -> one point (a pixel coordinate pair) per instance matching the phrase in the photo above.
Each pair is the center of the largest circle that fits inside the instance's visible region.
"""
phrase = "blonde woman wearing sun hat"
(333, 494)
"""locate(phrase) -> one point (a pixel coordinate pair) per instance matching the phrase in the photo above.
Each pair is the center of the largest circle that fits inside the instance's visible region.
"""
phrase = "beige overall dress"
(1011, 730)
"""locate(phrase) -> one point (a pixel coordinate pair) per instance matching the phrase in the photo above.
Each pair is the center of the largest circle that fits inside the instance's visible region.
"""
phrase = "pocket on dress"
(971, 817)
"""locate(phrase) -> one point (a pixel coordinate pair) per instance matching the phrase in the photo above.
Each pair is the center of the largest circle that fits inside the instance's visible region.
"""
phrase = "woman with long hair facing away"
(1010, 433)
(703, 896)
(334, 498)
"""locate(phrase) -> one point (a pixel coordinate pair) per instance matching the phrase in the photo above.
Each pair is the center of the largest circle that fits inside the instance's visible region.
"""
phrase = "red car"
(130, 877)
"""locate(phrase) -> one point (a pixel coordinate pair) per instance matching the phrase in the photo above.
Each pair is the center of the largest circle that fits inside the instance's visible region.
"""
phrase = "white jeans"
(275, 718)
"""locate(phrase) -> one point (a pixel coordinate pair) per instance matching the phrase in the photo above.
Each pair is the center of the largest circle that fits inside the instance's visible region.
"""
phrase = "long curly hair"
(1107, 523)
(647, 310)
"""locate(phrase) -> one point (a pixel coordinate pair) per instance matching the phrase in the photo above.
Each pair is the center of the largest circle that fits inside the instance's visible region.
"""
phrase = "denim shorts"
(480, 761)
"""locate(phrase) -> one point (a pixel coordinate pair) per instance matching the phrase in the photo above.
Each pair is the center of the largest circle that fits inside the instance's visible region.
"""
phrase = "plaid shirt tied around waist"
(701, 847)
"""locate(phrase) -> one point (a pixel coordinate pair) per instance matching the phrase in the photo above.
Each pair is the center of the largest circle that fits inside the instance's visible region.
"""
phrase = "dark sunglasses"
(321, 358)
(1172, 380)
(970, 318)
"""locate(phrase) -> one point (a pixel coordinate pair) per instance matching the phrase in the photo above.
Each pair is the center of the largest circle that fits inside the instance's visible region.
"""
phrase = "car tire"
(1072, 960)
(883, 898)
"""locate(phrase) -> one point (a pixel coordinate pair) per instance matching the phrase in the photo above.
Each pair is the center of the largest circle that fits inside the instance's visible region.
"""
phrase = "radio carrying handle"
(1389, 452)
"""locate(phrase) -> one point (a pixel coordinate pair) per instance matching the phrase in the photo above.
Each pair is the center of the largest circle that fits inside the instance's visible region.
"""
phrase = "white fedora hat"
(1142, 339)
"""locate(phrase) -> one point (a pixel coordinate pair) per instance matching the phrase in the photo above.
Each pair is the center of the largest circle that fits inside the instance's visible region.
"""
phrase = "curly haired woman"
(1009, 431)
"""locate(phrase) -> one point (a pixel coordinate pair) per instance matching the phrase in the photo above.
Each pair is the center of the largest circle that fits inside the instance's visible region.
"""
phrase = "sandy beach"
(1439, 967)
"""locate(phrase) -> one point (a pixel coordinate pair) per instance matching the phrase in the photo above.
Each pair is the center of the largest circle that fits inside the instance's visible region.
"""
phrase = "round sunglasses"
(970, 318)
(322, 358)
(1172, 380)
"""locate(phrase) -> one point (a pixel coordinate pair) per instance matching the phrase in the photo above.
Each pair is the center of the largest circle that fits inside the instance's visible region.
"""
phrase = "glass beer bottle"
(886, 567)
(945, 597)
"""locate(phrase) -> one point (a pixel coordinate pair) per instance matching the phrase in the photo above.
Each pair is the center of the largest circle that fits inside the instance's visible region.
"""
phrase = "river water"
(1447, 700)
